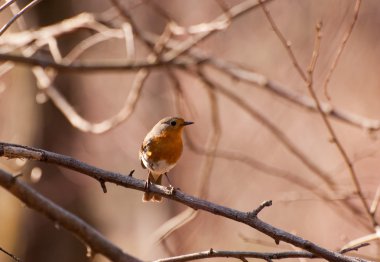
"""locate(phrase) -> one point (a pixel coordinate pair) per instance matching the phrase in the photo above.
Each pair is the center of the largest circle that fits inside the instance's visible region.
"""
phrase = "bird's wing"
(143, 149)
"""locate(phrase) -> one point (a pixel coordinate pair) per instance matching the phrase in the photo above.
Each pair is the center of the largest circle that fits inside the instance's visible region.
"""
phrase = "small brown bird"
(160, 151)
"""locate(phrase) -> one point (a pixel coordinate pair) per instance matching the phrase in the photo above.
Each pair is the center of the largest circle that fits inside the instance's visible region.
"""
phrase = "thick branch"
(97, 242)
(17, 151)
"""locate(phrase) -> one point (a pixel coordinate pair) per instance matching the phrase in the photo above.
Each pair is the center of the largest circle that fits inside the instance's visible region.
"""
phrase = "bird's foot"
(171, 189)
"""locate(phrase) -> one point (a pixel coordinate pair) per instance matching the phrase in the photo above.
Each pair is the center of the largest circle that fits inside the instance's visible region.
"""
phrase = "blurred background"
(251, 164)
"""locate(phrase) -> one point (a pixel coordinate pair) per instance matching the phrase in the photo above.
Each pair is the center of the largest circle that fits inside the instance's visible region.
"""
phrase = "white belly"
(156, 168)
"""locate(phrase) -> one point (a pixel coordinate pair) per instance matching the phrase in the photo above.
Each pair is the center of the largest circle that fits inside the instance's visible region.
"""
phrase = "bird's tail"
(148, 196)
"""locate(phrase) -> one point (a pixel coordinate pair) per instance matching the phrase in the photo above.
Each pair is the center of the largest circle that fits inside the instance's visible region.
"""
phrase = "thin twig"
(375, 202)
(341, 48)
(6, 4)
(354, 248)
(277, 133)
(15, 17)
(276, 88)
(234, 12)
(330, 129)
(17, 151)
(93, 66)
(237, 254)
(9, 254)
(283, 40)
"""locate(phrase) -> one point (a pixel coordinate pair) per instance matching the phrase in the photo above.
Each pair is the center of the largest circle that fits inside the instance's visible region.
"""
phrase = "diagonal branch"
(97, 242)
(16, 16)
(334, 137)
(17, 151)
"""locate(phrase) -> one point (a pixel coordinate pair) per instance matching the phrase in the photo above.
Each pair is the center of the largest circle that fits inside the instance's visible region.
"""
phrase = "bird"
(160, 151)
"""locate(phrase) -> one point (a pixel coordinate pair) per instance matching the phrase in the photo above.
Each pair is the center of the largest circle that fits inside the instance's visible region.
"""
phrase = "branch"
(96, 241)
(276, 88)
(341, 47)
(238, 254)
(334, 137)
(18, 151)
(16, 16)
(9, 254)
(93, 67)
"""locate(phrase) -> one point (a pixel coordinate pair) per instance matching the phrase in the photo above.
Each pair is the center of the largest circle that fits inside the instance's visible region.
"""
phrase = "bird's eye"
(173, 123)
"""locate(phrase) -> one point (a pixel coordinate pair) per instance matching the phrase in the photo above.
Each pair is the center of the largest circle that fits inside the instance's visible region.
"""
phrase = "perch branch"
(18, 151)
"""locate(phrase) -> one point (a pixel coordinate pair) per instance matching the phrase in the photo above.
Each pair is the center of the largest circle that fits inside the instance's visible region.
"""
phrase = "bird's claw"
(171, 189)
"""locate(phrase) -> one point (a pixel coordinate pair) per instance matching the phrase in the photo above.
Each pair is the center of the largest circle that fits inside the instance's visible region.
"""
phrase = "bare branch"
(276, 88)
(341, 48)
(15, 17)
(276, 133)
(92, 67)
(9, 254)
(331, 131)
(238, 254)
(283, 40)
(97, 242)
(6, 4)
(17, 151)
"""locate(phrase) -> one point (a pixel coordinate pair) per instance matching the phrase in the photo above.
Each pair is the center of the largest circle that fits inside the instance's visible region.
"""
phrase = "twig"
(97, 242)
(16, 16)
(276, 88)
(93, 67)
(330, 129)
(341, 47)
(234, 12)
(17, 151)
(375, 202)
(273, 129)
(283, 40)
(10, 254)
(6, 4)
(237, 254)
(214, 137)
(362, 240)
(354, 248)
(263, 205)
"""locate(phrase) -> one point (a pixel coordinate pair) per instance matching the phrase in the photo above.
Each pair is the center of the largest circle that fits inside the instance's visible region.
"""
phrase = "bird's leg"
(171, 188)
(147, 182)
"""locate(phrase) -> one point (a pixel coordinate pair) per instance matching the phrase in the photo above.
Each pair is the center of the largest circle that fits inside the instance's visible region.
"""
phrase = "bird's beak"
(187, 123)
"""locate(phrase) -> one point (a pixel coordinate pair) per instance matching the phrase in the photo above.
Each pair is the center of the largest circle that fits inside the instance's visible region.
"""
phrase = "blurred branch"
(97, 242)
(92, 67)
(341, 47)
(334, 138)
(86, 20)
(6, 4)
(309, 81)
(276, 88)
(9, 254)
(276, 132)
(375, 202)
(283, 40)
(16, 16)
(54, 212)
(233, 13)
